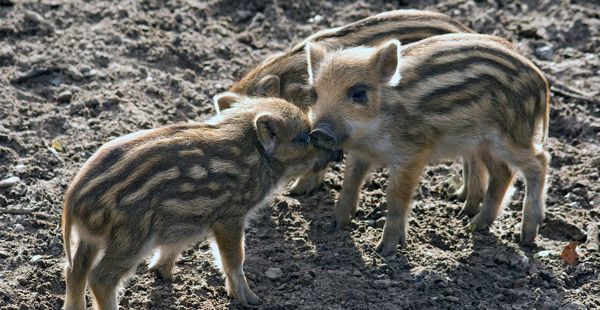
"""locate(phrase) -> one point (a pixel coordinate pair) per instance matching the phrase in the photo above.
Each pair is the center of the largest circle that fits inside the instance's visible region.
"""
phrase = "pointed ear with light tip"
(387, 62)
(268, 129)
(269, 86)
(224, 101)
(314, 54)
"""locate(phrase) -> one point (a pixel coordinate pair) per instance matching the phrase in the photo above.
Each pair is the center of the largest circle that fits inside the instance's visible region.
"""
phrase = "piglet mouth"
(337, 156)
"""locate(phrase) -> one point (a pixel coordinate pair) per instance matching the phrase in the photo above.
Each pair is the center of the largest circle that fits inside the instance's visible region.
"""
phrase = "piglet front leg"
(229, 237)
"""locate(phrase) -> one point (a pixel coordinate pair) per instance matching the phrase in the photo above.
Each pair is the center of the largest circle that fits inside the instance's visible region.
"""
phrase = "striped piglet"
(456, 94)
(173, 186)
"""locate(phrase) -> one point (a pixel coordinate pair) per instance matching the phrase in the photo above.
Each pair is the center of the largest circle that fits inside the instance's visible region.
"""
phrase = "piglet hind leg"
(533, 162)
(229, 236)
(308, 183)
(354, 175)
(501, 177)
(474, 185)
(164, 262)
(76, 276)
(121, 256)
(401, 186)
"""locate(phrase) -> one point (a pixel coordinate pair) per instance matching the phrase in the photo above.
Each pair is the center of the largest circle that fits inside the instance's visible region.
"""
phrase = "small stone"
(74, 73)
(357, 273)
(20, 168)
(544, 52)
(274, 273)
(569, 196)
(385, 283)
(452, 298)
(245, 37)
(9, 182)
(574, 306)
(84, 68)
(596, 200)
(525, 262)
(243, 14)
(35, 258)
(64, 97)
(180, 102)
(297, 257)
(3, 201)
(91, 73)
(380, 222)
(315, 19)
(370, 222)
(19, 227)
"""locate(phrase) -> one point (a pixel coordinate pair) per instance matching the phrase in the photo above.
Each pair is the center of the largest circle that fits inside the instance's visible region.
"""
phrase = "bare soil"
(75, 74)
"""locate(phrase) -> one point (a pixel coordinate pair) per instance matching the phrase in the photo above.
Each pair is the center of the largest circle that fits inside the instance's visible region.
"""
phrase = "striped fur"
(172, 186)
(290, 67)
(284, 75)
(459, 95)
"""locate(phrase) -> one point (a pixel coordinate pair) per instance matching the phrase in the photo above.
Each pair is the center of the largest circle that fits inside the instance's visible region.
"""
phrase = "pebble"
(385, 283)
(274, 273)
(19, 227)
(370, 222)
(35, 258)
(20, 168)
(596, 200)
(574, 306)
(452, 298)
(9, 182)
(544, 52)
(525, 262)
(74, 73)
(315, 19)
(3, 201)
(85, 68)
(64, 97)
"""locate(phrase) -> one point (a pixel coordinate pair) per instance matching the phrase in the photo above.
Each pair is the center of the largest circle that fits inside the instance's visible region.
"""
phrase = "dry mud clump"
(74, 74)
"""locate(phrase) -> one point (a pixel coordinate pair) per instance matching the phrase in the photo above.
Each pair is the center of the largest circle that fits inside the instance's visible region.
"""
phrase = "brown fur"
(173, 186)
(284, 75)
(457, 94)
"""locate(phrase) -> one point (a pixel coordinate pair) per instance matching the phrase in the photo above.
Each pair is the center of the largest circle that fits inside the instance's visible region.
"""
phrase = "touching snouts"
(323, 136)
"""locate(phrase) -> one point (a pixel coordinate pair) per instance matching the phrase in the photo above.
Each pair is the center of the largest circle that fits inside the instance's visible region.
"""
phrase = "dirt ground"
(74, 74)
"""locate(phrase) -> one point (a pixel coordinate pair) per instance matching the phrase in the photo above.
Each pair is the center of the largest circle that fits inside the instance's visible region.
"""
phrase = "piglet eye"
(303, 138)
(358, 93)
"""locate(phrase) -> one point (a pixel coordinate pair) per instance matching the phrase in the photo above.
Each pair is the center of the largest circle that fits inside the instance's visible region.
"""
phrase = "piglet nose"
(323, 137)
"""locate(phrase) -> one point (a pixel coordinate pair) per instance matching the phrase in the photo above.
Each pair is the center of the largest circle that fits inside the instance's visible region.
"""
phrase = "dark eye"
(303, 138)
(358, 93)
(313, 95)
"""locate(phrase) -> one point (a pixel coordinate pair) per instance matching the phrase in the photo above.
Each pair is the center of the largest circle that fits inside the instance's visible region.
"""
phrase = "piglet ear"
(268, 86)
(314, 53)
(387, 62)
(268, 129)
(224, 101)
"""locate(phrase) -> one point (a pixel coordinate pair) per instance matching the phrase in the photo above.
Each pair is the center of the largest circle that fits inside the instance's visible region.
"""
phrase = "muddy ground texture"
(74, 74)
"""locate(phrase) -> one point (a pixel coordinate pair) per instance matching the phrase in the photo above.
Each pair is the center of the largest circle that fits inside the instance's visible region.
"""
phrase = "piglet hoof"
(246, 298)
(306, 184)
(528, 234)
(162, 271)
(470, 228)
(387, 248)
(459, 194)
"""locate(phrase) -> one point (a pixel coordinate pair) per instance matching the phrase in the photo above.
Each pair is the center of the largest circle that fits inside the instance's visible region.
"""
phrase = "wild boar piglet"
(451, 95)
(284, 75)
(169, 187)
